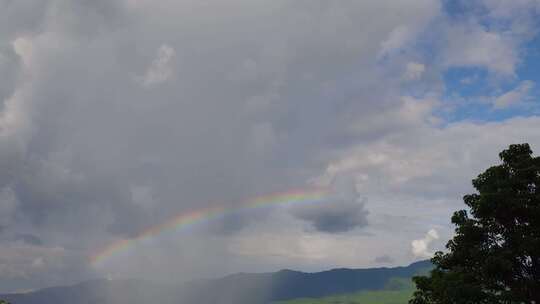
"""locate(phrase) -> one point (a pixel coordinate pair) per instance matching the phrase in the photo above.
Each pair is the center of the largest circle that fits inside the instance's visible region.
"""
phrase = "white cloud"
(508, 9)
(421, 247)
(414, 71)
(431, 160)
(160, 70)
(396, 40)
(471, 45)
(414, 178)
(278, 242)
(517, 95)
(24, 48)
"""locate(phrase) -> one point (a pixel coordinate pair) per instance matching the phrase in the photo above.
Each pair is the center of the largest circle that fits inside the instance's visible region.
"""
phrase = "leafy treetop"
(494, 256)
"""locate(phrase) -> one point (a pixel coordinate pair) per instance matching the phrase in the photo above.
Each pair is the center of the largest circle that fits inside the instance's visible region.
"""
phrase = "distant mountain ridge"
(248, 288)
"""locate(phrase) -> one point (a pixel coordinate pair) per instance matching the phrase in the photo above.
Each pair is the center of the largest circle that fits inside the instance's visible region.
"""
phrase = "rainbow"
(188, 219)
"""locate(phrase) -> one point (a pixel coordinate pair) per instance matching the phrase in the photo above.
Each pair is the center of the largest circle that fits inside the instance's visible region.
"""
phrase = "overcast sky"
(117, 115)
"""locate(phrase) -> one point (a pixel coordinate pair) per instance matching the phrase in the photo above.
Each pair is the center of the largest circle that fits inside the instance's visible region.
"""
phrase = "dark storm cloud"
(336, 217)
(342, 211)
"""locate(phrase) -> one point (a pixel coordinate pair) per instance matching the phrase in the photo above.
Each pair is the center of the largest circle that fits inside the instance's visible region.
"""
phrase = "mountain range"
(241, 288)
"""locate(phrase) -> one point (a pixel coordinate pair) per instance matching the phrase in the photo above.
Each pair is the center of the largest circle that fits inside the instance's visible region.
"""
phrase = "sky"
(118, 115)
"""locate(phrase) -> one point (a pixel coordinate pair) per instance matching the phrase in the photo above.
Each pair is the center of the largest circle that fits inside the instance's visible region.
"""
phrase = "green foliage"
(364, 297)
(494, 256)
(397, 291)
(399, 284)
(4, 302)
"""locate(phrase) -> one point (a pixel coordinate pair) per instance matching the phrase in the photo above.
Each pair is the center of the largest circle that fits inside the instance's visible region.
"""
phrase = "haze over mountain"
(248, 288)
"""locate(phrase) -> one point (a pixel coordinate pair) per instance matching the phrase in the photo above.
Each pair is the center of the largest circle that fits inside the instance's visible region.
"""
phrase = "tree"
(494, 256)
(3, 302)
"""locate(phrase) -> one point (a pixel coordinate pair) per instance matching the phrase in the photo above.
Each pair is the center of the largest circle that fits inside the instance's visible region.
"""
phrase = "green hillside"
(397, 291)
(347, 286)
(366, 297)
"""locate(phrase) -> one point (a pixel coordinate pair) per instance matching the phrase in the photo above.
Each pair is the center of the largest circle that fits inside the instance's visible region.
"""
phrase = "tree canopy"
(494, 256)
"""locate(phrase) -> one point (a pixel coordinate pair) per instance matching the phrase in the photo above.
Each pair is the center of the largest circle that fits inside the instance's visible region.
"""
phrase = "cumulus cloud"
(342, 211)
(517, 95)
(421, 247)
(416, 177)
(102, 155)
(254, 97)
(474, 46)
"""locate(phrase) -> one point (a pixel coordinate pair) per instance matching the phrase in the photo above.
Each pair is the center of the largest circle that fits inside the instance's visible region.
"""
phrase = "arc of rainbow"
(188, 219)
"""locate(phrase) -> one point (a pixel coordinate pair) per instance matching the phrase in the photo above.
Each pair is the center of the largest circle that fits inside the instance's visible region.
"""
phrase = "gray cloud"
(339, 217)
(343, 211)
(230, 224)
(383, 259)
(21, 17)
(10, 72)
(95, 130)
(119, 115)
(29, 239)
